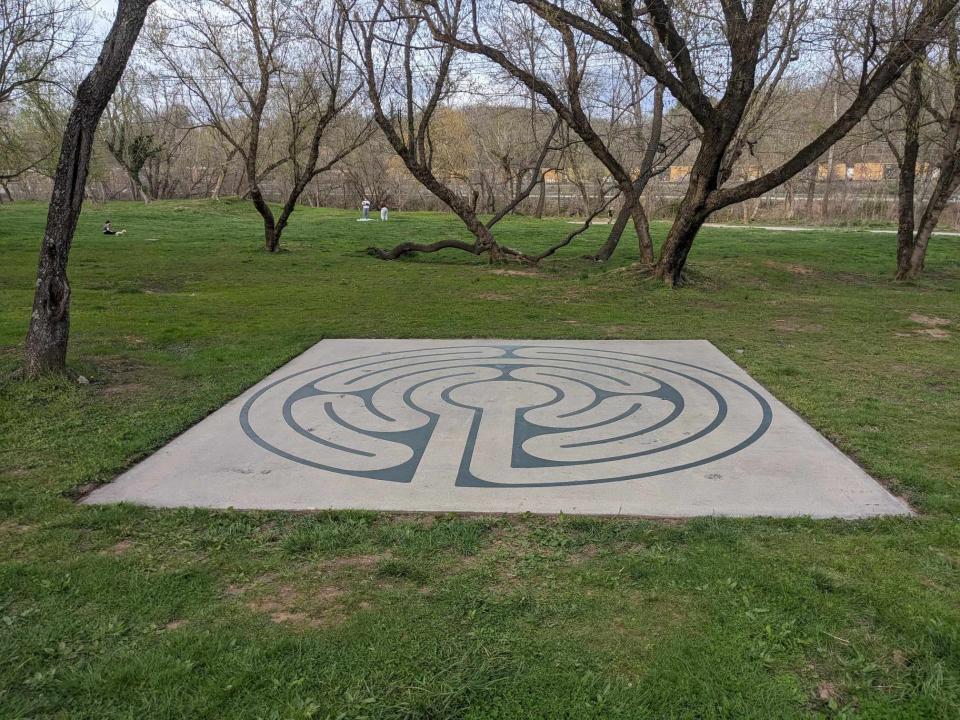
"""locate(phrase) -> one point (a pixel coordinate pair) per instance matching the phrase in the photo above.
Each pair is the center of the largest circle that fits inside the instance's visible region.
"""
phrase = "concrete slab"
(667, 428)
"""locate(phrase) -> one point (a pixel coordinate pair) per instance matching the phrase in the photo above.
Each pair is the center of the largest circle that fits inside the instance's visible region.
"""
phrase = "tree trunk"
(484, 242)
(271, 233)
(906, 182)
(271, 237)
(811, 193)
(948, 174)
(541, 200)
(642, 226)
(677, 246)
(828, 189)
(632, 208)
(218, 183)
(693, 211)
(946, 186)
(144, 195)
(613, 238)
(46, 343)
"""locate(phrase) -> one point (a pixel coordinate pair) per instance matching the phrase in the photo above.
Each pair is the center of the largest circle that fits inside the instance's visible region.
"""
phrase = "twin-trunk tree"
(754, 42)
(517, 41)
(408, 79)
(269, 77)
(930, 110)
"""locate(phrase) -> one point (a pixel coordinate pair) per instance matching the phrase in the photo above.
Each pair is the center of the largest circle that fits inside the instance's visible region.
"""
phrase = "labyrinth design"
(511, 415)
(659, 427)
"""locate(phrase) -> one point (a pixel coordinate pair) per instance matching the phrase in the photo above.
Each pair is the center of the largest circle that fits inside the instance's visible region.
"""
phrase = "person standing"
(365, 207)
(383, 214)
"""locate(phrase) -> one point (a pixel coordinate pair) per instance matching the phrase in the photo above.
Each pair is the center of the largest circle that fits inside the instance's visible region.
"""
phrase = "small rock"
(82, 380)
(740, 351)
(827, 691)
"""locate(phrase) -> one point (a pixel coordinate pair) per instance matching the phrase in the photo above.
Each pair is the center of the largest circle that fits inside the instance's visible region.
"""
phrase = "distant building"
(554, 176)
(866, 171)
(839, 171)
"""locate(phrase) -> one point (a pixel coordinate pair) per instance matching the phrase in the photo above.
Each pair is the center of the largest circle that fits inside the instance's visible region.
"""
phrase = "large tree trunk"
(693, 211)
(910, 260)
(46, 343)
(947, 185)
(676, 247)
(906, 183)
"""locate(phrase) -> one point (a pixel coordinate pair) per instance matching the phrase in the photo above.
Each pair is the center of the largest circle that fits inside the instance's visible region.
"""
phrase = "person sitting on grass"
(108, 230)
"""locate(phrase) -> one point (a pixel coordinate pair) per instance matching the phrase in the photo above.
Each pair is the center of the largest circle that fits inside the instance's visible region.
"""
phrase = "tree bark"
(632, 208)
(906, 182)
(705, 176)
(947, 185)
(642, 227)
(676, 247)
(811, 193)
(613, 238)
(912, 246)
(271, 239)
(47, 338)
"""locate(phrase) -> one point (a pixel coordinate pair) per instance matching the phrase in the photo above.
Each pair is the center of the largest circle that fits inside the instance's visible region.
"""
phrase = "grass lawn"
(127, 612)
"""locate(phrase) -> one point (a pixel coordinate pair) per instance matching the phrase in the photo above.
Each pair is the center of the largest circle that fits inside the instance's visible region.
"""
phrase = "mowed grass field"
(129, 612)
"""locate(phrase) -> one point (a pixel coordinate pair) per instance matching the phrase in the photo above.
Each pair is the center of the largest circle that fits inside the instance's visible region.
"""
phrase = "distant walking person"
(383, 213)
(108, 229)
(365, 206)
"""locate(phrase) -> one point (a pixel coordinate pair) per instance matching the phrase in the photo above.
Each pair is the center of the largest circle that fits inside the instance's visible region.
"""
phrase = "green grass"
(127, 612)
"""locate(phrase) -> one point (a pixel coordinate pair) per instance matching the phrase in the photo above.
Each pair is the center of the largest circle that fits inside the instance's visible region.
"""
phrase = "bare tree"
(721, 60)
(374, 171)
(165, 172)
(520, 42)
(228, 55)
(127, 133)
(46, 343)
(928, 109)
(409, 78)
(36, 37)
(316, 92)
(30, 132)
(267, 75)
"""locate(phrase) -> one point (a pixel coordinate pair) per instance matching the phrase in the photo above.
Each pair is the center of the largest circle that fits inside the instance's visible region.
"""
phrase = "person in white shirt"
(365, 206)
(383, 214)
